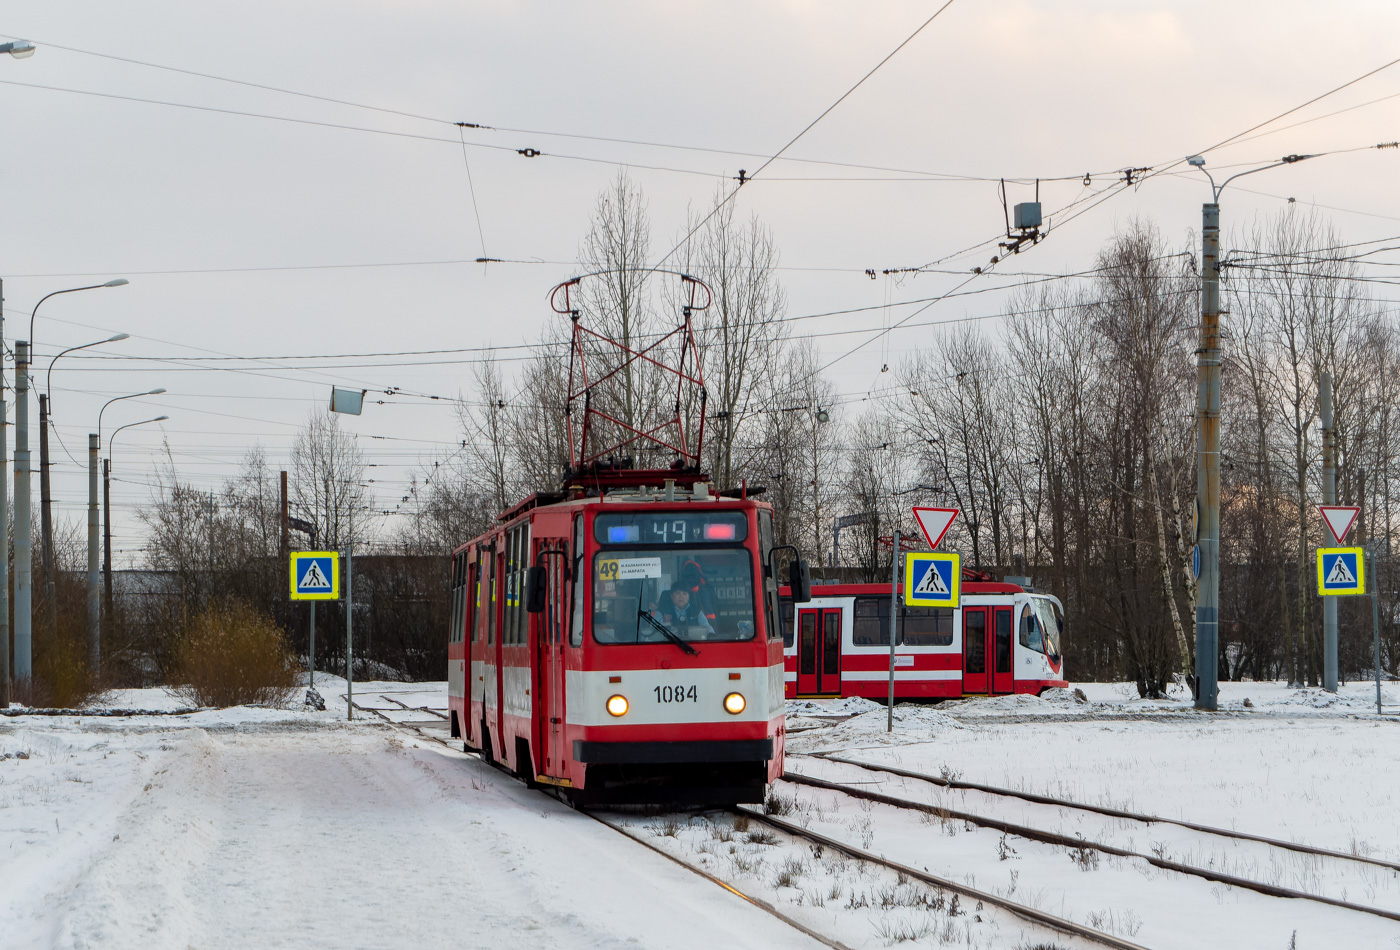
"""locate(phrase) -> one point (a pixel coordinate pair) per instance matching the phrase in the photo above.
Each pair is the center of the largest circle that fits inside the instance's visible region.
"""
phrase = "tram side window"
(491, 598)
(476, 598)
(516, 559)
(469, 601)
(926, 626)
(786, 613)
(918, 626)
(871, 627)
(1030, 631)
(452, 587)
(455, 633)
(576, 624)
(770, 583)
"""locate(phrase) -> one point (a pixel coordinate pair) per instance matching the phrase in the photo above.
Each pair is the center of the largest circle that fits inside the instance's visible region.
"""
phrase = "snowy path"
(342, 837)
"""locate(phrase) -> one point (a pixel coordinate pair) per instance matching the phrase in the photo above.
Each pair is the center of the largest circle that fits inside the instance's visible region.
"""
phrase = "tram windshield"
(698, 594)
(1051, 625)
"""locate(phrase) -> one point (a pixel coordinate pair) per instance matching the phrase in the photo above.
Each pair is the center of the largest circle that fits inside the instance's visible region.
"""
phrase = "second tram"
(1002, 638)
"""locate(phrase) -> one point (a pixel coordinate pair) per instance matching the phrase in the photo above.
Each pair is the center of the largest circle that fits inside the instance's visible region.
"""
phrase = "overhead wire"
(807, 128)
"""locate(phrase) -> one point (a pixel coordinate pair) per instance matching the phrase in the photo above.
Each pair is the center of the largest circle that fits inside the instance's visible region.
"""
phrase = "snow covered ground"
(294, 828)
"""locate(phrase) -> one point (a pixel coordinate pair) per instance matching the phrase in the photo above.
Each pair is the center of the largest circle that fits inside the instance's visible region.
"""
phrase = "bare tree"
(327, 482)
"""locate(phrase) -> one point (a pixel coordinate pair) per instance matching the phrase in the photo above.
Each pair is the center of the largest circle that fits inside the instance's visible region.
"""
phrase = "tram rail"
(1077, 842)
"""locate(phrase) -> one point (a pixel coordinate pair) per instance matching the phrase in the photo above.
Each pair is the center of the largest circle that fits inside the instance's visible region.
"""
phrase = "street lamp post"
(23, 531)
(1208, 440)
(94, 447)
(107, 510)
(45, 495)
(19, 49)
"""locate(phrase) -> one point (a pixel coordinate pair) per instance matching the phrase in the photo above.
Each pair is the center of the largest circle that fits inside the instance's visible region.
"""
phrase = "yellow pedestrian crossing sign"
(932, 580)
(1341, 571)
(315, 575)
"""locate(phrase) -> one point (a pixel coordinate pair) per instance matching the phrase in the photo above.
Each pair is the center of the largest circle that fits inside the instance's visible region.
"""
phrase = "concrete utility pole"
(1208, 439)
(1208, 464)
(24, 666)
(46, 516)
(1329, 497)
(94, 580)
(107, 537)
(4, 533)
(349, 630)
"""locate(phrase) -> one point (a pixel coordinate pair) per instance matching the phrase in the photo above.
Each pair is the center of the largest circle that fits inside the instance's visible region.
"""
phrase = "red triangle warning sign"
(935, 522)
(1339, 519)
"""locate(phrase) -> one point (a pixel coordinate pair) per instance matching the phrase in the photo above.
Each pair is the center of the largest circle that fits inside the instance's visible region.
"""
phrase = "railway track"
(1078, 842)
(1025, 912)
(1111, 812)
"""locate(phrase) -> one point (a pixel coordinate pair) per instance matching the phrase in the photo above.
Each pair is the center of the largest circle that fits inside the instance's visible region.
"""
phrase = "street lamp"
(23, 609)
(94, 624)
(45, 496)
(1208, 438)
(19, 49)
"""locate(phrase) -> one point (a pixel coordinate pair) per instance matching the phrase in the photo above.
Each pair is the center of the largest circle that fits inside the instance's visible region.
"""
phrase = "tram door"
(975, 636)
(819, 652)
(549, 657)
(1003, 649)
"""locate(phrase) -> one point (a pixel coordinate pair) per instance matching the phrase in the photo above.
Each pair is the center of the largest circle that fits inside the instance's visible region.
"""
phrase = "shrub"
(232, 655)
(62, 678)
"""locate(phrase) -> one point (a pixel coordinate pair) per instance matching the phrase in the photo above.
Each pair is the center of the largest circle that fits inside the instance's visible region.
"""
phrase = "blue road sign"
(315, 575)
(1341, 571)
(1196, 562)
(932, 580)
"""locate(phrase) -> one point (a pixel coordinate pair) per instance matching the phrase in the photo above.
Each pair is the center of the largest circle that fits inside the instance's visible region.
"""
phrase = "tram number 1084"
(675, 694)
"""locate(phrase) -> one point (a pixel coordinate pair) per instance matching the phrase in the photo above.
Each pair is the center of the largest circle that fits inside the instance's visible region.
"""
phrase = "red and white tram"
(1000, 639)
(621, 642)
(620, 639)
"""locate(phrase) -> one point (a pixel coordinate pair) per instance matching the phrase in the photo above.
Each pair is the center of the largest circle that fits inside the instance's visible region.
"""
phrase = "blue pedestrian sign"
(932, 580)
(315, 575)
(1196, 562)
(1341, 571)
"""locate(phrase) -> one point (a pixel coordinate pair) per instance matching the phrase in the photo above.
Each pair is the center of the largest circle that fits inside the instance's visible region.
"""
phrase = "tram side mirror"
(535, 589)
(800, 579)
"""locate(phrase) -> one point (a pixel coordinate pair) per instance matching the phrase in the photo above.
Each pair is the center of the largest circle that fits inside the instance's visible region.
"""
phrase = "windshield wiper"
(667, 632)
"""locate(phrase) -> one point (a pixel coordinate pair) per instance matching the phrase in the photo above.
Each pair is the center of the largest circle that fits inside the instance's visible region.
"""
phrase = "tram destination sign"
(932, 580)
(315, 575)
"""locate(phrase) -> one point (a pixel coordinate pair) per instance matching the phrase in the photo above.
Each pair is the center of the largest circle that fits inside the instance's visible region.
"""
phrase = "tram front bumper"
(656, 753)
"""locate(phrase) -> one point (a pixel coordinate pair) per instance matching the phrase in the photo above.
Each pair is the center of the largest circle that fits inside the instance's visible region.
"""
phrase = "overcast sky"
(234, 230)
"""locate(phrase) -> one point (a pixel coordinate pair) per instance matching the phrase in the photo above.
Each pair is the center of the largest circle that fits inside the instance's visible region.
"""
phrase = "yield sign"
(935, 522)
(1339, 519)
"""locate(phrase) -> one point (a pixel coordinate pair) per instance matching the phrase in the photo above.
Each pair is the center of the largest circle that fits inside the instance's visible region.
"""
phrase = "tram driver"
(679, 612)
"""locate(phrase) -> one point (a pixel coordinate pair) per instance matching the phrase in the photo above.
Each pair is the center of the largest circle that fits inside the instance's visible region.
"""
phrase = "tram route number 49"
(676, 694)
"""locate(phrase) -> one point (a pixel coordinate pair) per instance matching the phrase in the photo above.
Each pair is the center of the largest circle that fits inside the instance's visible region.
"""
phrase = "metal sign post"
(349, 631)
(311, 651)
(315, 576)
(894, 614)
(1376, 628)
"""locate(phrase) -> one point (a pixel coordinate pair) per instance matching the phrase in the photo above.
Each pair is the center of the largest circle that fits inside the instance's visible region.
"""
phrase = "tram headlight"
(734, 703)
(617, 705)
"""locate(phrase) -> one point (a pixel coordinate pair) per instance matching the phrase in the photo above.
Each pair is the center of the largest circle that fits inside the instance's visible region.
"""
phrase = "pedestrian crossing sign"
(315, 575)
(1341, 571)
(932, 580)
